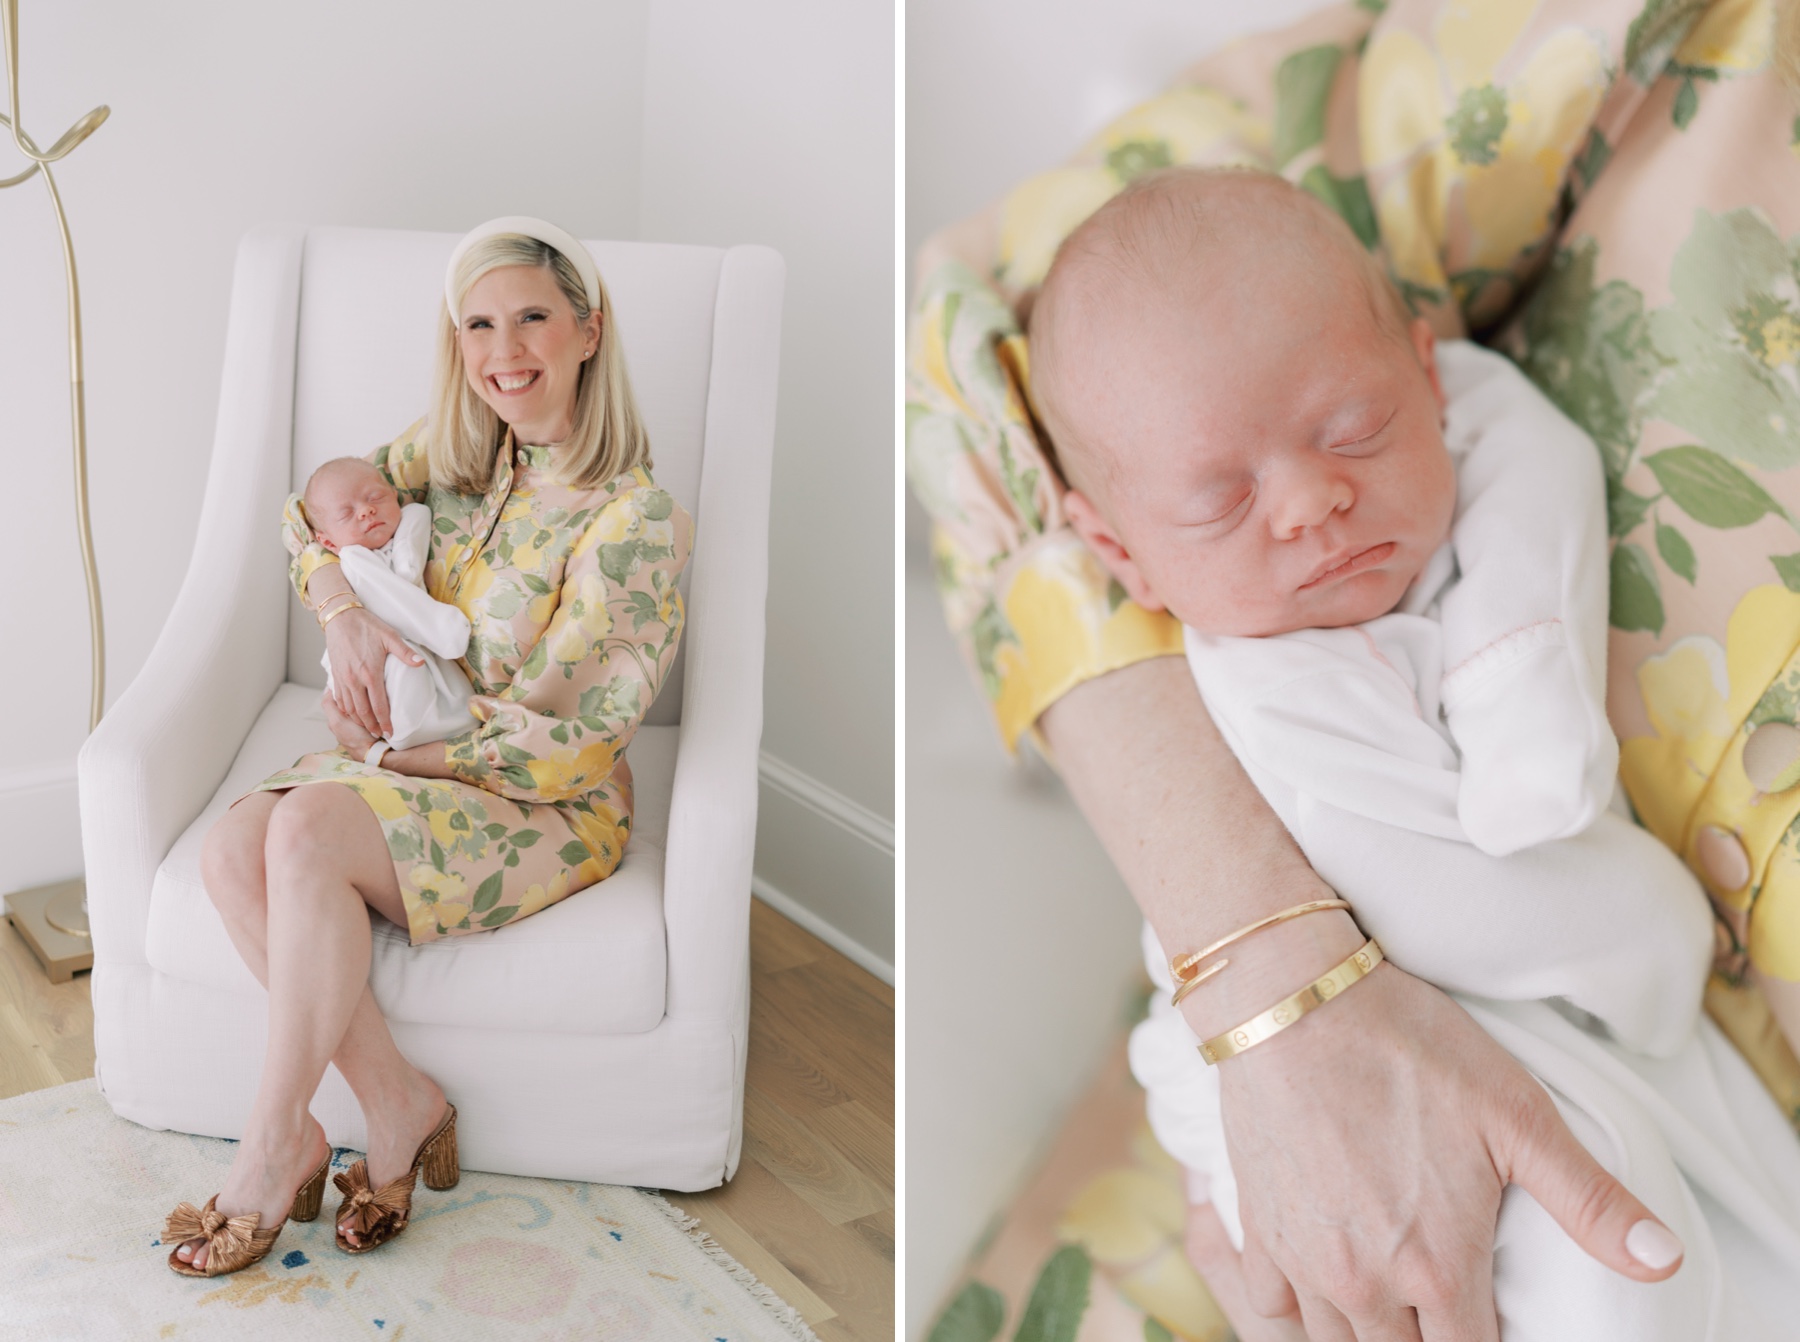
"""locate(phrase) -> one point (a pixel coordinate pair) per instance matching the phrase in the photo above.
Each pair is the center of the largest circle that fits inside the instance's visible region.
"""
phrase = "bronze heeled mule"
(378, 1214)
(235, 1242)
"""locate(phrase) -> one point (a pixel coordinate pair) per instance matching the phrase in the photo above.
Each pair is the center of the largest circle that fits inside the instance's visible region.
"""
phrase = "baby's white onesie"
(1448, 769)
(429, 702)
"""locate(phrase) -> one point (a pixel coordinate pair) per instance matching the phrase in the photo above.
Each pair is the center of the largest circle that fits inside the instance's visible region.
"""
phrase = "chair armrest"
(159, 755)
(712, 813)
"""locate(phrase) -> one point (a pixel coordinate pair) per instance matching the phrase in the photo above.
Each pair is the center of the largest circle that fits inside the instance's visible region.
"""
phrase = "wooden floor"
(811, 1211)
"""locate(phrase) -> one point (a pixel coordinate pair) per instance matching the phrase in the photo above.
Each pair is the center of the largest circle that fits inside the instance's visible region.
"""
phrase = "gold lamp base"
(48, 917)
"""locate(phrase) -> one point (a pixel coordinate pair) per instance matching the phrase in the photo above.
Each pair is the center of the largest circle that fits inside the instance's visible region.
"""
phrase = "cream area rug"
(83, 1194)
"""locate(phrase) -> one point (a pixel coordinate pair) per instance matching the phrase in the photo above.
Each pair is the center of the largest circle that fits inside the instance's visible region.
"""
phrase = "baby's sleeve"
(1524, 628)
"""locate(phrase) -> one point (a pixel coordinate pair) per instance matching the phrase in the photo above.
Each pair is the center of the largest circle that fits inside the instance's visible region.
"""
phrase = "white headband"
(544, 232)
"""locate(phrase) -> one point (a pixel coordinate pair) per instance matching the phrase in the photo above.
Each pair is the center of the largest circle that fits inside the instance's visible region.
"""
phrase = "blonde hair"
(607, 436)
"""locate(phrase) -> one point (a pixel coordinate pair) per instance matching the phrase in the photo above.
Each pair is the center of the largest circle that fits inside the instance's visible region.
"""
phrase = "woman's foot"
(268, 1168)
(396, 1131)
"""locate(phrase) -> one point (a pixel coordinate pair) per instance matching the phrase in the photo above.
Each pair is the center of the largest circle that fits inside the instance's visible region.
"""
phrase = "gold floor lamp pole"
(52, 918)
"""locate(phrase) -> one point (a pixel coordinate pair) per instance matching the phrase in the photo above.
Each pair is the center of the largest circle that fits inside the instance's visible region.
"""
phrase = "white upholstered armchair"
(602, 1039)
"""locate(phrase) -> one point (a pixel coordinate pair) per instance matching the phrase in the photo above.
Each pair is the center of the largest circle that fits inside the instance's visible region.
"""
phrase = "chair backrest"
(369, 305)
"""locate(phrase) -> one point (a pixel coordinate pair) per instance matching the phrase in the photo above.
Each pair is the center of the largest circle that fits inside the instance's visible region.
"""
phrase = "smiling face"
(523, 348)
(1254, 448)
(348, 503)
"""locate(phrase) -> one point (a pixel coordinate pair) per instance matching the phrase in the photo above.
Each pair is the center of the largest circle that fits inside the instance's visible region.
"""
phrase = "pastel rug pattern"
(83, 1194)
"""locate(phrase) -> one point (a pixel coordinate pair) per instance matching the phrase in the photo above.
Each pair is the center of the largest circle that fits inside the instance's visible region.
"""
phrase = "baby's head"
(348, 503)
(1250, 425)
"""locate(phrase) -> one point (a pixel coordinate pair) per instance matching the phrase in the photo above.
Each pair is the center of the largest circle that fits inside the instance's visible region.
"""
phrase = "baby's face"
(1269, 465)
(353, 505)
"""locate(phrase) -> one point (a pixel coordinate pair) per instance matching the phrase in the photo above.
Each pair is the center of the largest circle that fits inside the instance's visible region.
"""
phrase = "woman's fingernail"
(1652, 1244)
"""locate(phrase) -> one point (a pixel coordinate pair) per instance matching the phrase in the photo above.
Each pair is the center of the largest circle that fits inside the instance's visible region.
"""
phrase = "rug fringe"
(785, 1314)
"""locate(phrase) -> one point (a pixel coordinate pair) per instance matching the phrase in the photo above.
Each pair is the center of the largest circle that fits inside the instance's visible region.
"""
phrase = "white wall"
(438, 114)
(1021, 941)
(774, 122)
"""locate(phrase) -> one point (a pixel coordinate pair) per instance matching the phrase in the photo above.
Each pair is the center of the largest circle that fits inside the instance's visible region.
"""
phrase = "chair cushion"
(592, 964)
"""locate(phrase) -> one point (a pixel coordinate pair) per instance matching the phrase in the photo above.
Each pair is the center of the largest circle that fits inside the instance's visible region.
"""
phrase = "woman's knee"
(322, 831)
(231, 855)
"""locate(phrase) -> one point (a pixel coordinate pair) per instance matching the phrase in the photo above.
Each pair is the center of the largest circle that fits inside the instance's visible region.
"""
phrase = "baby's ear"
(1091, 525)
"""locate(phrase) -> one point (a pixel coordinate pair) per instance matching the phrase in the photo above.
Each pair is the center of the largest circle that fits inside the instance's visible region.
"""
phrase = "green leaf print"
(1655, 33)
(487, 894)
(535, 663)
(1022, 488)
(1787, 567)
(1134, 158)
(519, 778)
(1059, 1299)
(512, 859)
(443, 526)
(1588, 349)
(1302, 88)
(503, 600)
(495, 830)
(525, 838)
(1349, 198)
(1731, 338)
(498, 916)
(560, 733)
(975, 1315)
(1636, 594)
(1687, 102)
(619, 561)
(1624, 509)
(1477, 123)
(573, 853)
(538, 586)
(655, 504)
(1155, 1332)
(437, 856)
(1709, 488)
(1592, 159)
(1676, 552)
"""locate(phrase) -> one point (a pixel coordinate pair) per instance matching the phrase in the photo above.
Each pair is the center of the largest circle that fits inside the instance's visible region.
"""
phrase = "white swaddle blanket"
(429, 702)
(1448, 768)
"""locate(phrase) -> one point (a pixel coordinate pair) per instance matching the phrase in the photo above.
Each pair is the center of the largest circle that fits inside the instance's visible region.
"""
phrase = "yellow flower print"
(477, 579)
(436, 886)
(1731, 35)
(1131, 1223)
(566, 771)
(1433, 121)
(1177, 127)
(383, 799)
(1696, 695)
(541, 896)
(450, 914)
(1041, 212)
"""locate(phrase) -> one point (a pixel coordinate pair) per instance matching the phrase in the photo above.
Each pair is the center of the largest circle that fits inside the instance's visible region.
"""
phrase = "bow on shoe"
(367, 1207)
(226, 1237)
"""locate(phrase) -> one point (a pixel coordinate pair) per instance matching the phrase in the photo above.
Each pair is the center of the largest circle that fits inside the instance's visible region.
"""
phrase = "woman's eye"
(479, 324)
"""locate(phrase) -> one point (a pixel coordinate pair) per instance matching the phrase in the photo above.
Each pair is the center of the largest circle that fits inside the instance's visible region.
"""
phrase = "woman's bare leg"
(305, 934)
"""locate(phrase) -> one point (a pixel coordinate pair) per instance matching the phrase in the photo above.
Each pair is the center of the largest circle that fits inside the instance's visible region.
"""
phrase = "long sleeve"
(562, 725)
(402, 463)
(1524, 628)
(393, 594)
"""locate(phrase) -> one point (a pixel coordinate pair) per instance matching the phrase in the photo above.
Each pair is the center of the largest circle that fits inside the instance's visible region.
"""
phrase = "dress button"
(1722, 858)
(1772, 757)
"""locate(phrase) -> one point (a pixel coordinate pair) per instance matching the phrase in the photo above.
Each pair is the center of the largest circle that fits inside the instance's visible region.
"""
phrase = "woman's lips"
(513, 384)
(1372, 557)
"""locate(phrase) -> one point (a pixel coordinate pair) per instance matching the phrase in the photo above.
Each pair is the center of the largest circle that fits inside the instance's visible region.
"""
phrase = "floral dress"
(574, 620)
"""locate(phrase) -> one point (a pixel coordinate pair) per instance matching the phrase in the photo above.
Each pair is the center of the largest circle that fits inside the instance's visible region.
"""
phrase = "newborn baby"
(1389, 556)
(382, 546)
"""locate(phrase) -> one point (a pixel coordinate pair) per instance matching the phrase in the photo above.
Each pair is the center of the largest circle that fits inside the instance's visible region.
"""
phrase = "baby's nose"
(1308, 500)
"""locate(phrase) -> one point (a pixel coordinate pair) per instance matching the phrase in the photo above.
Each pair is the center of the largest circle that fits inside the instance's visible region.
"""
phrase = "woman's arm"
(1372, 1140)
(578, 698)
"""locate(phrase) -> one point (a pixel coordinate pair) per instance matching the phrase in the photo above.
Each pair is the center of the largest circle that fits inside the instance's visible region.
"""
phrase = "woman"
(550, 535)
(1576, 181)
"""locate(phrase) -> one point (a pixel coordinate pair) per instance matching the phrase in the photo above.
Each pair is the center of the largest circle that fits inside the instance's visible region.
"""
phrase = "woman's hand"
(350, 733)
(359, 645)
(1371, 1144)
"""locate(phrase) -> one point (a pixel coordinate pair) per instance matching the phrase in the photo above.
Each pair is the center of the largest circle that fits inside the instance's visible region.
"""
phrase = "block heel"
(438, 1164)
(310, 1195)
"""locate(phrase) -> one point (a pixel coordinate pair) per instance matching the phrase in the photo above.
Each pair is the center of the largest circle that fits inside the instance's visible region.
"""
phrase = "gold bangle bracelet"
(1182, 965)
(1290, 1009)
(325, 605)
(352, 604)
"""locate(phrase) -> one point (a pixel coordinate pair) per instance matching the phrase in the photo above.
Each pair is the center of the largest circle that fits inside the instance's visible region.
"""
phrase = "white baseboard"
(40, 827)
(796, 912)
(826, 862)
